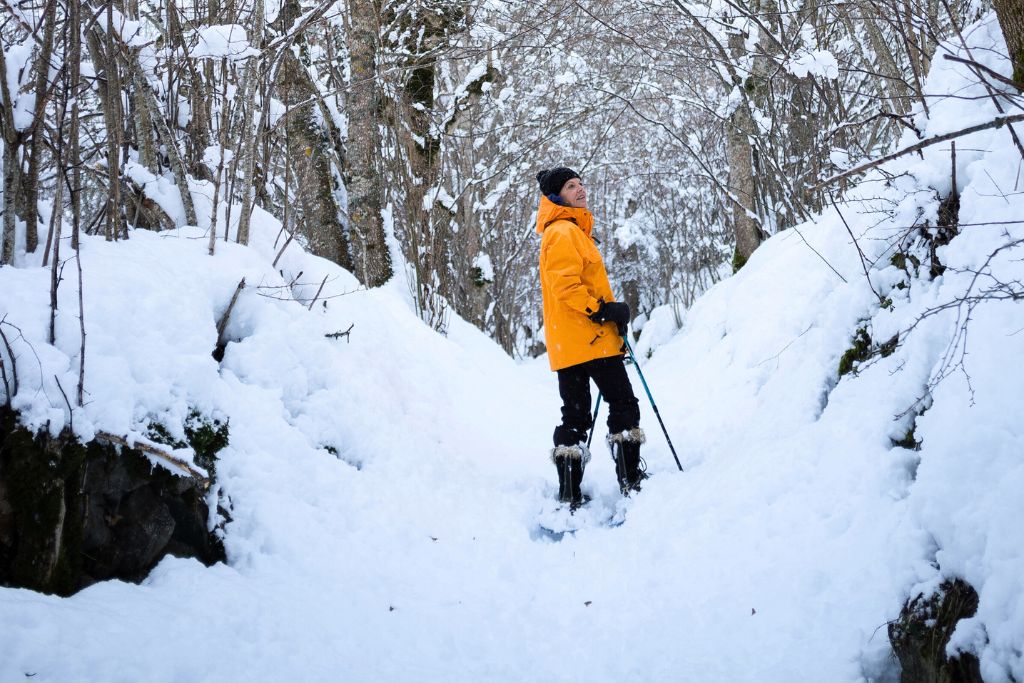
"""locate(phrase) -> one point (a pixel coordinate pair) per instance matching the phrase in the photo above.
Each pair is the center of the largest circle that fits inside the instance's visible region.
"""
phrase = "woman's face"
(574, 194)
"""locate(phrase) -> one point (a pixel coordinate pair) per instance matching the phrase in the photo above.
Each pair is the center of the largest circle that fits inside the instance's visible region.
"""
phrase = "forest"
(403, 137)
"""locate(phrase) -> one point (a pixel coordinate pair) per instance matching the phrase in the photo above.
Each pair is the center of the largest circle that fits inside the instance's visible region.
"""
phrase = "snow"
(227, 41)
(18, 76)
(161, 189)
(820, 63)
(483, 262)
(796, 532)
(809, 60)
(566, 78)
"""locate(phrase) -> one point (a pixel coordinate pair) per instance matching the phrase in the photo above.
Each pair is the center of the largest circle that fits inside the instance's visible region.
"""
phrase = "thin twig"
(797, 230)
(318, 293)
(981, 67)
(860, 252)
(71, 412)
(81, 325)
(998, 122)
(291, 236)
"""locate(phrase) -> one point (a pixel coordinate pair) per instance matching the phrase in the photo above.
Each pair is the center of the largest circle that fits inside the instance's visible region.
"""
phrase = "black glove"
(613, 312)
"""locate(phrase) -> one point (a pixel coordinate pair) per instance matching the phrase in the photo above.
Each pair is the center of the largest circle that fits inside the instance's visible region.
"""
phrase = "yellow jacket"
(573, 282)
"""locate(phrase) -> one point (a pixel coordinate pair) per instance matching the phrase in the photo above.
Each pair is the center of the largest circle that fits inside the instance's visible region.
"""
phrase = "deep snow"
(795, 534)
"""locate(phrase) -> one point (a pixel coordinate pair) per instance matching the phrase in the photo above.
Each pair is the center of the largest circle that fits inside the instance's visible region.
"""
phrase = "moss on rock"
(72, 514)
(858, 353)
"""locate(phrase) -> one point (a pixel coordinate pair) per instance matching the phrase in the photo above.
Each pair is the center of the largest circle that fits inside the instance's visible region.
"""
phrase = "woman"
(584, 328)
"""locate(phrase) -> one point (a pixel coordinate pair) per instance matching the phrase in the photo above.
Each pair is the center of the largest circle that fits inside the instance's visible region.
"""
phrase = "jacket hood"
(548, 212)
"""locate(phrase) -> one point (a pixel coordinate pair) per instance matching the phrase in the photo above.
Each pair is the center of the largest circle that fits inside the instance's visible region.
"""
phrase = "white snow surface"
(820, 63)
(794, 535)
(226, 41)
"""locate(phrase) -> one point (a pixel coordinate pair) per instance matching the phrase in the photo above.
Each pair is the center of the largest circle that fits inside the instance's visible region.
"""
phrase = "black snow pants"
(609, 374)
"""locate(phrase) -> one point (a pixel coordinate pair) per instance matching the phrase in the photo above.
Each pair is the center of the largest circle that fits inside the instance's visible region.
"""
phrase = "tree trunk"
(12, 185)
(309, 152)
(250, 137)
(363, 179)
(30, 183)
(741, 174)
(628, 262)
(1011, 20)
(12, 141)
(115, 133)
(74, 63)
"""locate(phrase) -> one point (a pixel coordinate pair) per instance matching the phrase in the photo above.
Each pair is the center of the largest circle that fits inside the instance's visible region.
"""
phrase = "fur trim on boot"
(630, 468)
(634, 435)
(570, 461)
(578, 452)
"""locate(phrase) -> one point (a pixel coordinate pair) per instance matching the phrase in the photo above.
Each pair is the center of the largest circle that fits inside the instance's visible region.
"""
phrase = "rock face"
(919, 637)
(73, 514)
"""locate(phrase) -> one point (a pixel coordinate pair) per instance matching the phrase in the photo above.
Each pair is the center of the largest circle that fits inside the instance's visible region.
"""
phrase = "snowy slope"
(795, 534)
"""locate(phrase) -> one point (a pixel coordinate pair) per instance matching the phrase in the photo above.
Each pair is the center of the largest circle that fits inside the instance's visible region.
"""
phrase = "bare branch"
(149, 449)
(998, 122)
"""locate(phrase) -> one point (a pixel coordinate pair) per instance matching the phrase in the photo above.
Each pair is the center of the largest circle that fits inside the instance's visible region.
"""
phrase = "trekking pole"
(653, 404)
(593, 422)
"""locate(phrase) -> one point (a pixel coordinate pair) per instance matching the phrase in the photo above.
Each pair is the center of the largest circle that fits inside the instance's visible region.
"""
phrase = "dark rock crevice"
(72, 514)
(920, 636)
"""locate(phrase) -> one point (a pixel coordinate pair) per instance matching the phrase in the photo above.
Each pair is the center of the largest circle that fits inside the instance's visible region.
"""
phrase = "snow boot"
(630, 468)
(570, 461)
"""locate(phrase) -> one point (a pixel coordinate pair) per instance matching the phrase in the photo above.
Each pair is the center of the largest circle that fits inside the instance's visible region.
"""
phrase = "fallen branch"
(291, 236)
(339, 334)
(149, 449)
(222, 324)
(318, 293)
(998, 122)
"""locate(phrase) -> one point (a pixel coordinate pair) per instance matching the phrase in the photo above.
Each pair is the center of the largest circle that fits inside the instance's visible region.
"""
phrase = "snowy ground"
(795, 534)
(416, 555)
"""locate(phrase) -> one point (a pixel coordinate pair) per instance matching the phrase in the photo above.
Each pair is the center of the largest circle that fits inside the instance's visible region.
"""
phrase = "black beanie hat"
(552, 180)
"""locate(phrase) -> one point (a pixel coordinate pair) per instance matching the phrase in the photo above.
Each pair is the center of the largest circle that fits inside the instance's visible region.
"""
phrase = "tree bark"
(30, 183)
(741, 173)
(12, 185)
(12, 141)
(362, 175)
(309, 151)
(250, 137)
(1011, 19)
(115, 131)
